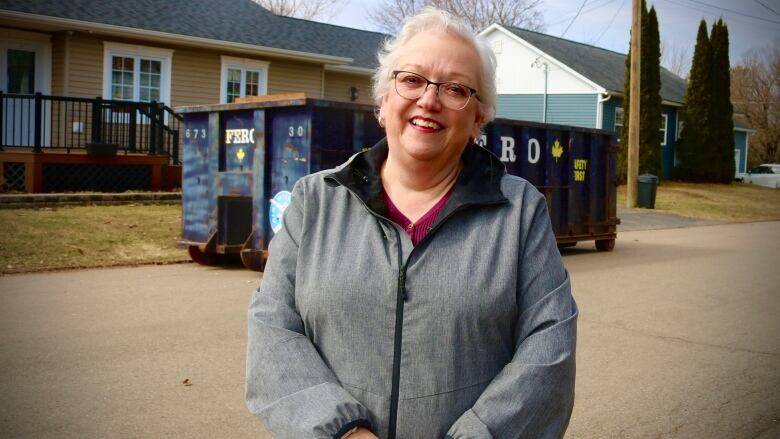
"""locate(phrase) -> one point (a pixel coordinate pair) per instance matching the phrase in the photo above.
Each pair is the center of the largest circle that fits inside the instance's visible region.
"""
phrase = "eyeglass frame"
(438, 88)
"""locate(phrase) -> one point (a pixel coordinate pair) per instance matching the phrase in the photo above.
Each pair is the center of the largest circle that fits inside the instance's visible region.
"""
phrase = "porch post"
(97, 119)
(2, 106)
(38, 125)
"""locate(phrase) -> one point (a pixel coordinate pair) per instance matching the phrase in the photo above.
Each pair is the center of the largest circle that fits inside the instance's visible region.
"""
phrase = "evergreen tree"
(650, 101)
(650, 105)
(695, 136)
(721, 111)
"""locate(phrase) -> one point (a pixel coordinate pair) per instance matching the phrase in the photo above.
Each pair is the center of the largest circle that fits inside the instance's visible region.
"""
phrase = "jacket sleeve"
(288, 385)
(533, 395)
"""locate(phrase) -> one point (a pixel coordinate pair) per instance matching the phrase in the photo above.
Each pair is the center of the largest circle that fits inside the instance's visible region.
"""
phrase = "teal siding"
(608, 114)
(520, 107)
(568, 109)
(740, 143)
(668, 150)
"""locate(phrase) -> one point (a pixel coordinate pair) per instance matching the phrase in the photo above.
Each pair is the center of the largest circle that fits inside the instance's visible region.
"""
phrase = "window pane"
(155, 67)
(127, 78)
(155, 81)
(129, 64)
(234, 75)
(251, 83)
(127, 92)
(154, 94)
(145, 80)
(144, 94)
(116, 92)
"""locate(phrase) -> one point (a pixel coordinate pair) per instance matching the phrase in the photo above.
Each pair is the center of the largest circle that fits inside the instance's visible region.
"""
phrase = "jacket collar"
(479, 182)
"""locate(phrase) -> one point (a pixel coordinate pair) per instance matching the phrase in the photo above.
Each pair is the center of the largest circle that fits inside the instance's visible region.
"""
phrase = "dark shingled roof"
(604, 67)
(237, 21)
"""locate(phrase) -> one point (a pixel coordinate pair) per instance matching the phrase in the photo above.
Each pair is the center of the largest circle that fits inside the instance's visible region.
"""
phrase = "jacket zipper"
(399, 320)
(399, 307)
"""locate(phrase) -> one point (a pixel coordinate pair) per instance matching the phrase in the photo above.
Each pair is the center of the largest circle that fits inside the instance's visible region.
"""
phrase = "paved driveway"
(678, 338)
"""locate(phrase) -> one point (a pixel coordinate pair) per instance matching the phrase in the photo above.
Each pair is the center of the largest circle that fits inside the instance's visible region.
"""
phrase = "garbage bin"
(646, 188)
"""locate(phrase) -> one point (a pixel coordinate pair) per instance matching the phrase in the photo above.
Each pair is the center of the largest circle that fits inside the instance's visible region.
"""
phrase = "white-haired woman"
(416, 291)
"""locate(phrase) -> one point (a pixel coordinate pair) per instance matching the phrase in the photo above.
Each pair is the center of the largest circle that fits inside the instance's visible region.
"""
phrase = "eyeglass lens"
(451, 94)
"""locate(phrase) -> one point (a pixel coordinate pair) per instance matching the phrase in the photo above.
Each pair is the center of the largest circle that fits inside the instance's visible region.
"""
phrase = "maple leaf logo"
(557, 150)
(240, 154)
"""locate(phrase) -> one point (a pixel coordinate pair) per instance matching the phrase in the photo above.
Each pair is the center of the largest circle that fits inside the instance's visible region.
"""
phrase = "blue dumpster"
(241, 160)
(574, 167)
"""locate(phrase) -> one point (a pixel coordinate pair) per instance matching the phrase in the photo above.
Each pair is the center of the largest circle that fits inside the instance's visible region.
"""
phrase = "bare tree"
(322, 10)
(676, 59)
(479, 14)
(755, 92)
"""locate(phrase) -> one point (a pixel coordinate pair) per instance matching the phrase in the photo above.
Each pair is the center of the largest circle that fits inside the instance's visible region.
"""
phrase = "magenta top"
(418, 230)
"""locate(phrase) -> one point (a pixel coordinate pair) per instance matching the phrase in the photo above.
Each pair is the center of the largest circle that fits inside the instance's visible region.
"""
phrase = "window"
(664, 121)
(619, 115)
(136, 73)
(243, 77)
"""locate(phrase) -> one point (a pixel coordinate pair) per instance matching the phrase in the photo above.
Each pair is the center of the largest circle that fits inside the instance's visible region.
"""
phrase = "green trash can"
(646, 187)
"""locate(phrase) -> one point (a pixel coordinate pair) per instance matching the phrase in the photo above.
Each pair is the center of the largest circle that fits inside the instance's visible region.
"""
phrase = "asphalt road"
(679, 337)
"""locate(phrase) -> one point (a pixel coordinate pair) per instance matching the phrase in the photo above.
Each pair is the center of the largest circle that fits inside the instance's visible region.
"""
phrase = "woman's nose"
(430, 97)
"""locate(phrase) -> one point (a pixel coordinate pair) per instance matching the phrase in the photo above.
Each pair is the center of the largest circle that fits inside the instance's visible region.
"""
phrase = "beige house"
(174, 52)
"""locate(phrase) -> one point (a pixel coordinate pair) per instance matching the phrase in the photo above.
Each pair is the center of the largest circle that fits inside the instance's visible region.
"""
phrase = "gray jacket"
(470, 334)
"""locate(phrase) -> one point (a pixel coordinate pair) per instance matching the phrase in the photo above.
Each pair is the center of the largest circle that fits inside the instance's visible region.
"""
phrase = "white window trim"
(614, 122)
(243, 64)
(665, 128)
(111, 49)
(34, 42)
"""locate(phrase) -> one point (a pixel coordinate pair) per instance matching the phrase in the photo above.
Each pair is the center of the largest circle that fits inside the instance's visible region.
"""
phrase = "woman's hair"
(433, 19)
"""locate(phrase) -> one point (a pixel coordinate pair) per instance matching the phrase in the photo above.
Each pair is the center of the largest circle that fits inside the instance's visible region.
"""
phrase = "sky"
(752, 24)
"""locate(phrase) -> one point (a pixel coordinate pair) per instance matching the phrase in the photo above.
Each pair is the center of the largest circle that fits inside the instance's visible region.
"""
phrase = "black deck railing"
(97, 125)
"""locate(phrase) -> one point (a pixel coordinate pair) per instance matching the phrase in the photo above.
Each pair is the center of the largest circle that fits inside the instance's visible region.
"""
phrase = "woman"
(416, 291)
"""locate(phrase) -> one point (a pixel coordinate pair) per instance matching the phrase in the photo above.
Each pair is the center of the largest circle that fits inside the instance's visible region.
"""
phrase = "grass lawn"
(89, 236)
(737, 202)
(100, 236)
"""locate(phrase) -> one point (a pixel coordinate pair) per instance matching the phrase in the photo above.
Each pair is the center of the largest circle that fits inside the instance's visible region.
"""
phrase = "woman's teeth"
(426, 123)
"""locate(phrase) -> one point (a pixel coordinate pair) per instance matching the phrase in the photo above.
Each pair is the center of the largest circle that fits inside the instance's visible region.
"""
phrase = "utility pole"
(633, 111)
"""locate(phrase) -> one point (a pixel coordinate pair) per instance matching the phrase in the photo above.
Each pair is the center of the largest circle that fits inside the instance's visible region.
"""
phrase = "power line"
(592, 6)
(762, 4)
(733, 11)
(610, 22)
(575, 17)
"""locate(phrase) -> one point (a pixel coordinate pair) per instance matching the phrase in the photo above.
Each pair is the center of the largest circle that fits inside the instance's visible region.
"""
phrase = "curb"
(16, 201)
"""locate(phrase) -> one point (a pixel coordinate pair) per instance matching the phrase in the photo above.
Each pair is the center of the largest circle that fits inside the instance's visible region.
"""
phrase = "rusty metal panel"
(197, 177)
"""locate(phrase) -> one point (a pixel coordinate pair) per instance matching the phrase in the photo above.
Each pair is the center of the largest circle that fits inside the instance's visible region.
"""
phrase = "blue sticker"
(279, 203)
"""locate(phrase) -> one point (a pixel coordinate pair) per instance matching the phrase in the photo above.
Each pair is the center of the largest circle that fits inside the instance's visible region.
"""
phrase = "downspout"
(538, 63)
(600, 109)
(322, 83)
(544, 104)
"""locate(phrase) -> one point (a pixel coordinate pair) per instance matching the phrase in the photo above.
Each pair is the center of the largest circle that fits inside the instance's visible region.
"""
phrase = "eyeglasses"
(452, 95)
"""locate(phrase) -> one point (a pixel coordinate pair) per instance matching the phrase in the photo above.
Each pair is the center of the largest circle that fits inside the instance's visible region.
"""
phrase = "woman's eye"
(456, 90)
(411, 80)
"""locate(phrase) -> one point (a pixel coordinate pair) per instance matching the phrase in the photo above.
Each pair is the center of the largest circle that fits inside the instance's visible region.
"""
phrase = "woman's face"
(423, 129)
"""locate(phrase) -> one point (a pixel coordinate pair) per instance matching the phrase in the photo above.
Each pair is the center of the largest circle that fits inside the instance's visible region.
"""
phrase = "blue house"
(548, 79)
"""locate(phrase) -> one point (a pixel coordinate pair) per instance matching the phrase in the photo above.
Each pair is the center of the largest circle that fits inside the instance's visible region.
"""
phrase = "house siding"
(668, 150)
(58, 67)
(338, 85)
(85, 76)
(608, 114)
(565, 109)
(740, 144)
(195, 78)
(287, 77)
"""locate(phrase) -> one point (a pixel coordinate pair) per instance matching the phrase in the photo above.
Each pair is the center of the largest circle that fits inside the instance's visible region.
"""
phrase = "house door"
(25, 66)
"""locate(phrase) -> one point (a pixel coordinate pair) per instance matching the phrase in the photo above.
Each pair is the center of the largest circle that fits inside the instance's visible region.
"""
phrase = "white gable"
(520, 68)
